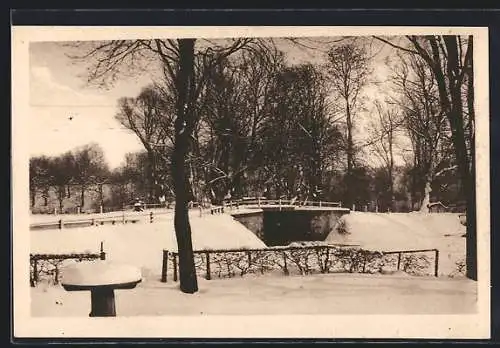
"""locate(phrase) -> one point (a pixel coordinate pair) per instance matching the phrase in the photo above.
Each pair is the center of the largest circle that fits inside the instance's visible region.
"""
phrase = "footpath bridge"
(128, 216)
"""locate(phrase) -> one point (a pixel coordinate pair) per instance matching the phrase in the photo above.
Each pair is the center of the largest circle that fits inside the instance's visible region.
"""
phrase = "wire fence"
(303, 260)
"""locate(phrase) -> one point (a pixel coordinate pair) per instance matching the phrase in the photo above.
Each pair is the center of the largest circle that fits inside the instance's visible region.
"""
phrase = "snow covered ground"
(292, 295)
(141, 244)
(406, 231)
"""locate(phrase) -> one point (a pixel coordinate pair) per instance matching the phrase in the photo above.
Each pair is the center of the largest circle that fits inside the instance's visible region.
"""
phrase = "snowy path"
(315, 294)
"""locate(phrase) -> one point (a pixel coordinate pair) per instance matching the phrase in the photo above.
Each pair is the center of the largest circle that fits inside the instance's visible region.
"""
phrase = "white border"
(345, 326)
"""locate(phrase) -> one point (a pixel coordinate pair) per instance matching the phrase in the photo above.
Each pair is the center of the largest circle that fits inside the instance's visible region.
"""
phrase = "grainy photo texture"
(264, 177)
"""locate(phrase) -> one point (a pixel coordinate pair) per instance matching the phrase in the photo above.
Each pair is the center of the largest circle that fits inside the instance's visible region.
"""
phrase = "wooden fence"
(48, 266)
(304, 260)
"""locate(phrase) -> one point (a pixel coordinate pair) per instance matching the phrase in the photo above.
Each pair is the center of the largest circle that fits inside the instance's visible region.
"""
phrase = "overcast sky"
(58, 91)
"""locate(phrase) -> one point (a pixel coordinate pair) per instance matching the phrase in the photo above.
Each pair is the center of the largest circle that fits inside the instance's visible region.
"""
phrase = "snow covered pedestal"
(101, 279)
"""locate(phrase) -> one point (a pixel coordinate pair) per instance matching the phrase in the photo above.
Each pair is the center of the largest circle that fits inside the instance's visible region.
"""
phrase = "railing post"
(175, 266)
(285, 268)
(399, 260)
(208, 275)
(123, 216)
(164, 267)
(60, 224)
(151, 217)
(320, 204)
(102, 254)
(436, 264)
(35, 272)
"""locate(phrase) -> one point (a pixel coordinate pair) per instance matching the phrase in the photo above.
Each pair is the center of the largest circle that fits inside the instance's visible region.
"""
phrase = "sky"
(66, 113)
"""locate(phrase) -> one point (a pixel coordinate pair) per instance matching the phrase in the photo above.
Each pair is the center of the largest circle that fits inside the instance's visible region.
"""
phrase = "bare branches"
(405, 49)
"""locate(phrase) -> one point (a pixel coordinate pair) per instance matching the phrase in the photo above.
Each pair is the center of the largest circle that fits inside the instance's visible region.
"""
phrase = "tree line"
(233, 117)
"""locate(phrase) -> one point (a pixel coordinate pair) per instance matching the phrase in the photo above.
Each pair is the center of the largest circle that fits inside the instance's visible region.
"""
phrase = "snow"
(285, 295)
(406, 231)
(141, 244)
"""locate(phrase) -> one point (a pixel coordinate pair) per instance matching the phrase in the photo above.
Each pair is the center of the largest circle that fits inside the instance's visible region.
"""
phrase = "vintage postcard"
(250, 182)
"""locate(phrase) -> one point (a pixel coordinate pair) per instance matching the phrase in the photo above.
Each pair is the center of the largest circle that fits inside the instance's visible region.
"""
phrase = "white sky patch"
(62, 118)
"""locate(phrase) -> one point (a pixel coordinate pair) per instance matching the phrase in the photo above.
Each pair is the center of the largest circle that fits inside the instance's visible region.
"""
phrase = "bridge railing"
(282, 202)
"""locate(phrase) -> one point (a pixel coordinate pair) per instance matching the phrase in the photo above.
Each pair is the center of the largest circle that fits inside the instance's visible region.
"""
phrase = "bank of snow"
(141, 244)
(406, 231)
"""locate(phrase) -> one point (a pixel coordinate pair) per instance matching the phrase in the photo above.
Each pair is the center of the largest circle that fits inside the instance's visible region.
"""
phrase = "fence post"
(61, 224)
(258, 202)
(151, 217)
(285, 268)
(35, 272)
(436, 264)
(102, 255)
(399, 260)
(175, 267)
(208, 276)
(101, 209)
(164, 267)
(320, 204)
(123, 216)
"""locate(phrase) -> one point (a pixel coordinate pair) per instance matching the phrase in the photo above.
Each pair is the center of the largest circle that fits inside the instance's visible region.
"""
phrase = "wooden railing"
(49, 265)
(319, 258)
(283, 202)
(96, 220)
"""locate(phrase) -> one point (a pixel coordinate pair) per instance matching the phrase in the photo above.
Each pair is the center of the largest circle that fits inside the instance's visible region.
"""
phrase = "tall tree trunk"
(349, 199)
(82, 197)
(471, 206)
(61, 193)
(183, 128)
(465, 166)
(33, 197)
(424, 207)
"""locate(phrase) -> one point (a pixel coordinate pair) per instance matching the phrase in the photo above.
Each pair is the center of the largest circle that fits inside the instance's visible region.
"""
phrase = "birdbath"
(101, 278)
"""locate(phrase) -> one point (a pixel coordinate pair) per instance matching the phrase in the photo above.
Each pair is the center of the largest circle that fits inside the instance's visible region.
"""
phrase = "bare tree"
(348, 68)
(90, 168)
(426, 124)
(187, 76)
(384, 128)
(450, 59)
(150, 117)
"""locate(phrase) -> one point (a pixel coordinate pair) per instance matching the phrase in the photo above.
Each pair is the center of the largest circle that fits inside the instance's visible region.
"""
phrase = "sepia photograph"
(250, 182)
